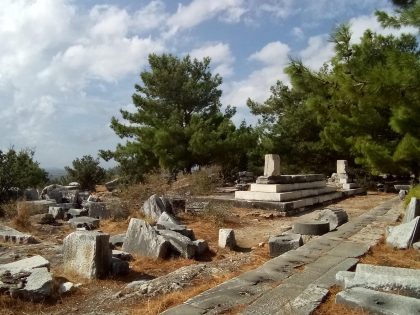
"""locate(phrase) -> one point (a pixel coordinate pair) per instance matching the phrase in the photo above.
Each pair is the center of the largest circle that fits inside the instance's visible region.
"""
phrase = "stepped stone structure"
(291, 192)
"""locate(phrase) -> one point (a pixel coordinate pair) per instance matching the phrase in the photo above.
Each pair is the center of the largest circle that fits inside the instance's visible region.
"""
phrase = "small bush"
(217, 213)
(22, 220)
(8, 210)
(413, 192)
(202, 182)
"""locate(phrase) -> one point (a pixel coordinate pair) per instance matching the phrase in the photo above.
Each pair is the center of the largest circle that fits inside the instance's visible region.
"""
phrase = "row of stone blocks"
(282, 196)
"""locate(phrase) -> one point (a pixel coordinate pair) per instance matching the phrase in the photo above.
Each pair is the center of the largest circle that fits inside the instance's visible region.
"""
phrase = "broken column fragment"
(278, 245)
(227, 238)
(87, 253)
(272, 165)
(335, 217)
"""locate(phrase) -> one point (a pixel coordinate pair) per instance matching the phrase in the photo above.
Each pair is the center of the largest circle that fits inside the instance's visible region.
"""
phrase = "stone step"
(282, 196)
(290, 179)
(287, 187)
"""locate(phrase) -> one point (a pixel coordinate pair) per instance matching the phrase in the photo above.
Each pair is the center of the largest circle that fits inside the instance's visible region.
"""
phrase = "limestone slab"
(287, 187)
(290, 179)
(404, 235)
(350, 185)
(378, 302)
(282, 196)
(306, 302)
(25, 264)
(342, 166)
(413, 210)
(184, 309)
(7, 234)
(404, 280)
(87, 253)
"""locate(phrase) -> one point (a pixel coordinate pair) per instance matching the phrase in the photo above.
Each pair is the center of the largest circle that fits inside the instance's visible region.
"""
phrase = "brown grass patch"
(22, 220)
(329, 307)
(385, 255)
(157, 268)
(114, 227)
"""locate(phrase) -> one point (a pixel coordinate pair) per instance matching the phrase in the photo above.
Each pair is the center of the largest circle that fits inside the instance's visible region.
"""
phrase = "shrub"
(22, 220)
(413, 192)
(216, 212)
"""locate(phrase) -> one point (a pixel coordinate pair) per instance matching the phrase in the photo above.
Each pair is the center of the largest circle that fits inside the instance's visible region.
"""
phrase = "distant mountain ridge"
(55, 172)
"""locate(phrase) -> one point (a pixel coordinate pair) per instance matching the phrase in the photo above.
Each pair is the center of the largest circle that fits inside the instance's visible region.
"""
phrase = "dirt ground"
(252, 230)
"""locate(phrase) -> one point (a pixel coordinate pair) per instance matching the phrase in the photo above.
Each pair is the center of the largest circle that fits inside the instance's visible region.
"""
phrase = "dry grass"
(113, 227)
(8, 210)
(156, 268)
(329, 307)
(22, 220)
(161, 303)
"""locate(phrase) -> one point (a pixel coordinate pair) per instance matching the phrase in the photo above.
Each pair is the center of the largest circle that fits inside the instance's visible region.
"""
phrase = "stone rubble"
(227, 239)
(9, 235)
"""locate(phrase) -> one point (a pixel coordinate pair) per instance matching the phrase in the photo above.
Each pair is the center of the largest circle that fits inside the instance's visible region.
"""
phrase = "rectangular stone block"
(282, 196)
(25, 264)
(272, 165)
(8, 234)
(350, 186)
(87, 253)
(342, 166)
(286, 187)
(290, 179)
(98, 210)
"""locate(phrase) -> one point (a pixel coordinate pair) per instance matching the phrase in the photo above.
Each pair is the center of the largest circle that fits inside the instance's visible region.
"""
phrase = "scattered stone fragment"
(165, 219)
(416, 245)
(404, 280)
(87, 223)
(278, 245)
(66, 287)
(343, 277)
(119, 267)
(180, 244)
(77, 212)
(142, 239)
(311, 227)
(26, 264)
(335, 217)
(227, 238)
(7, 234)
(122, 255)
(98, 210)
(404, 235)
(56, 212)
(402, 194)
(37, 286)
(181, 229)
(378, 302)
(196, 206)
(87, 253)
(413, 210)
(117, 240)
(153, 207)
(201, 247)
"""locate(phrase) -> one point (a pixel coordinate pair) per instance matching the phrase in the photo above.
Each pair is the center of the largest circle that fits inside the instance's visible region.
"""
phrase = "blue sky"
(68, 66)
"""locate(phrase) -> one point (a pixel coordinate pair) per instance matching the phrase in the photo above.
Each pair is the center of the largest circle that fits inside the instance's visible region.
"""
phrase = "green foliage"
(413, 192)
(407, 14)
(177, 123)
(367, 100)
(86, 171)
(18, 171)
(291, 130)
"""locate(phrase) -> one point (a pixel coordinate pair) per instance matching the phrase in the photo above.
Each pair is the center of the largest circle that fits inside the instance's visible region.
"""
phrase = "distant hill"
(55, 173)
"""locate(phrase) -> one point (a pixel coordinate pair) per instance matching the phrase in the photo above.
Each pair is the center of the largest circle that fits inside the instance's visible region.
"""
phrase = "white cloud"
(360, 24)
(221, 57)
(273, 57)
(318, 51)
(199, 11)
(298, 33)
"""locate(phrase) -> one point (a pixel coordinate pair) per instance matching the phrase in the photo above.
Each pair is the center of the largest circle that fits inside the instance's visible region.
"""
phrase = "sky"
(68, 66)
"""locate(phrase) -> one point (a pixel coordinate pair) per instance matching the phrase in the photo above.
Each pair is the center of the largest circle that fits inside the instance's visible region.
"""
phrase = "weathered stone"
(402, 194)
(84, 222)
(121, 255)
(404, 235)
(98, 210)
(201, 247)
(47, 219)
(117, 240)
(307, 301)
(290, 179)
(56, 212)
(272, 165)
(278, 245)
(378, 302)
(25, 264)
(413, 210)
(282, 196)
(119, 267)
(180, 244)
(35, 206)
(335, 217)
(31, 194)
(402, 187)
(87, 253)
(404, 280)
(311, 227)
(153, 207)
(342, 166)
(165, 218)
(66, 287)
(39, 285)
(113, 184)
(227, 238)
(344, 277)
(287, 187)
(416, 245)
(74, 213)
(7, 234)
(142, 239)
(181, 229)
